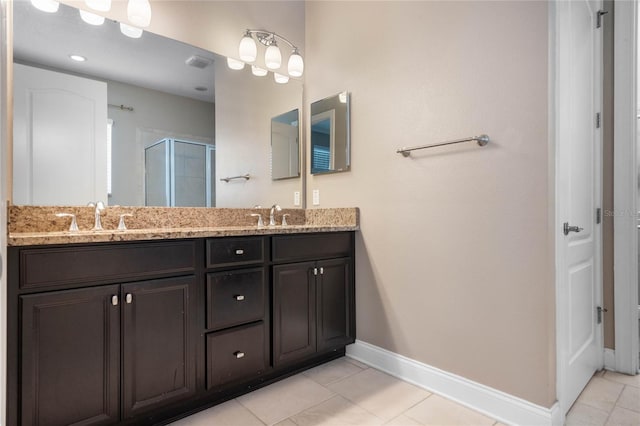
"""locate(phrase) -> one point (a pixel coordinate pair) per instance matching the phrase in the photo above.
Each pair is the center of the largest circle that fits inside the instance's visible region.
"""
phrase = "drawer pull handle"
(321, 271)
(129, 298)
(114, 300)
(239, 354)
(239, 297)
(239, 252)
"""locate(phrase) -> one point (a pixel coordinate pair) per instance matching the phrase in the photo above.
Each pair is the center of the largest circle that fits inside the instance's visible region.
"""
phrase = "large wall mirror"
(140, 121)
(330, 139)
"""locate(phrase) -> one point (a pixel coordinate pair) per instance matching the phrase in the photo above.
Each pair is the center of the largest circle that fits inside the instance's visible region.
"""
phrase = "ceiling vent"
(198, 62)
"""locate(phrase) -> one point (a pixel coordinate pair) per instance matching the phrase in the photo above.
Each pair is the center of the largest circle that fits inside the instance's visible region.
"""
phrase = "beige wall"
(455, 259)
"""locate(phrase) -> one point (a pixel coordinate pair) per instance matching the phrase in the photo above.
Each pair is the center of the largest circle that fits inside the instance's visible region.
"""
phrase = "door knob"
(568, 228)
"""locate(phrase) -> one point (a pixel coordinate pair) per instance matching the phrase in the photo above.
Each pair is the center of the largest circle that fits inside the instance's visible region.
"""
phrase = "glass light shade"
(50, 6)
(91, 18)
(281, 79)
(100, 5)
(273, 57)
(139, 13)
(248, 50)
(295, 65)
(258, 72)
(130, 31)
(235, 64)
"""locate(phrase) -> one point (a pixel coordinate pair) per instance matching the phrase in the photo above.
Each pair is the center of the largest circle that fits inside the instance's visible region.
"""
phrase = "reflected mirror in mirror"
(141, 121)
(285, 146)
(330, 140)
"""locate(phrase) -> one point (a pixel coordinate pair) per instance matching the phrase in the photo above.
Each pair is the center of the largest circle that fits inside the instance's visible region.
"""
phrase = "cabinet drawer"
(311, 247)
(235, 297)
(234, 251)
(235, 354)
(52, 267)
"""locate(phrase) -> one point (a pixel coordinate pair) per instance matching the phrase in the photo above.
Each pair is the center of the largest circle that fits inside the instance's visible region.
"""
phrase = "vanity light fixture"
(130, 31)
(99, 5)
(49, 6)
(248, 51)
(78, 58)
(280, 79)
(91, 18)
(235, 64)
(139, 12)
(258, 72)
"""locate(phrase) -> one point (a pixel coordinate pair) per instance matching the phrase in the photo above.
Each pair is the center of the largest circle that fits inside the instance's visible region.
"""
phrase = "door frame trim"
(625, 188)
(556, 211)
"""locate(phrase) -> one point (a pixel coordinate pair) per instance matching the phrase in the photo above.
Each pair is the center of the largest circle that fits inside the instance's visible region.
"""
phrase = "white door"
(578, 96)
(59, 138)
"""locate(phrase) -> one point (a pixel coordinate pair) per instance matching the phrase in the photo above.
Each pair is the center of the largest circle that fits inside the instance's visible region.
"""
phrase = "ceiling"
(152, 61)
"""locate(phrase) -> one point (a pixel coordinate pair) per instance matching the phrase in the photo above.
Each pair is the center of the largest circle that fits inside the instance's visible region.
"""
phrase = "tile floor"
(346, 392)
(341, 392)
(610, 399)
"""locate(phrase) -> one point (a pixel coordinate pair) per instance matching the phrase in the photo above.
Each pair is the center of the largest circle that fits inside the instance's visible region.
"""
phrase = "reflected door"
(59, 138)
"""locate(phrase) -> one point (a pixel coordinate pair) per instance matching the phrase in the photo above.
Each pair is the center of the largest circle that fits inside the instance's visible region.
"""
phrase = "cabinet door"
(294, 312)
(159, 365)
(71, 357)
(335, 304)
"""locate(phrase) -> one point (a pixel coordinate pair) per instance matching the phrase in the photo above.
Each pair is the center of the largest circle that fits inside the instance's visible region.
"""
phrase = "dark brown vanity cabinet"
(313, 301)
(237, 305)
(105, 352)
(143, 332)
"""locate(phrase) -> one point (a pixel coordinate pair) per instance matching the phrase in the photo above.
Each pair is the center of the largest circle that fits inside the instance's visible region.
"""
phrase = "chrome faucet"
(272, 218)
(97, 225)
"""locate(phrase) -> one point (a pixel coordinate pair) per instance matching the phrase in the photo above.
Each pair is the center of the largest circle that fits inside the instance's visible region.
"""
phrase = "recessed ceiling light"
(50, 6)
(78, 58)
(201, 89)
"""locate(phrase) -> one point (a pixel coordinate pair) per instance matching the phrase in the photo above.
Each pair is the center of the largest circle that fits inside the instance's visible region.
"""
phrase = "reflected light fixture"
(99, 5)
(235, 64)
(49, 6)
(91, 18)
(258, 72)
(130, 31)
(139, 13)
(281, 79)
(78, 58)
(273, 57)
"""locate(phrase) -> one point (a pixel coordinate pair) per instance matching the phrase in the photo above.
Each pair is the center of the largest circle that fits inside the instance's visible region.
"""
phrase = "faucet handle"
(74, 225)
(284, 219)
(260, 222)
(121, 225)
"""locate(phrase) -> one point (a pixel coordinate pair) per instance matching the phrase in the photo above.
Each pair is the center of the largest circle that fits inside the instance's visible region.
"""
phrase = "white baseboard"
(496, 404)
(609, 359)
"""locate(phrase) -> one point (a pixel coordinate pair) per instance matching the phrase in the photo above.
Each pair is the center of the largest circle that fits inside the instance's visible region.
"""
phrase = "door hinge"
(600, 310)
(598, 215)
(598, 120)
(601, 13)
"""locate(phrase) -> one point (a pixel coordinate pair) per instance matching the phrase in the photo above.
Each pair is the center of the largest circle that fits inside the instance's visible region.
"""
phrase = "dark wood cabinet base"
(146, 333)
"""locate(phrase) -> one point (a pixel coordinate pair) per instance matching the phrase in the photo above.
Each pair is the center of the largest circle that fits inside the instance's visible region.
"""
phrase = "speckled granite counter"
(35, 225)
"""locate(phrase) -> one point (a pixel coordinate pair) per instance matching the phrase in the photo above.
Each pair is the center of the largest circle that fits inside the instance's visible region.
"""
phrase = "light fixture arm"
(268, 37)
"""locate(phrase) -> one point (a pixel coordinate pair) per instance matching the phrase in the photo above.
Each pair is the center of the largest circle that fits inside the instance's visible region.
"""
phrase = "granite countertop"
(38, 225)
(66, 237)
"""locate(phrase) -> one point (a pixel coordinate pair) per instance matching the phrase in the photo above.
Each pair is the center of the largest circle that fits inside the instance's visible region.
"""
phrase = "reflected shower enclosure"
(179, 173)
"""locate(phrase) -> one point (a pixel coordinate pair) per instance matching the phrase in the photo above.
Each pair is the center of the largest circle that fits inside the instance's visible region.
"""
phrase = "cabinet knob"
(129, 298)
(239, 252)
(239, 354)
(114, 300)
(239, 297)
